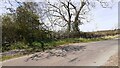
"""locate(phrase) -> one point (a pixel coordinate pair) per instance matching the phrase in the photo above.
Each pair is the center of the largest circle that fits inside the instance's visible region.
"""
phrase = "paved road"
(90, 54)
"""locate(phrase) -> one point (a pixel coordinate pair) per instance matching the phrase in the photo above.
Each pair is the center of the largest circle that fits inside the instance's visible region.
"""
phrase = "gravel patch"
(60, 51)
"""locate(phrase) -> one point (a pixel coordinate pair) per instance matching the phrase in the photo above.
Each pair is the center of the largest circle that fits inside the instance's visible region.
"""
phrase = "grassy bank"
(10, 57)
(52, 44)
(78, 40)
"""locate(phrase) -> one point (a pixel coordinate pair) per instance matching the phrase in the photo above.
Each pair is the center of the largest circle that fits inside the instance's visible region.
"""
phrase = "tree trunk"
(76, 31)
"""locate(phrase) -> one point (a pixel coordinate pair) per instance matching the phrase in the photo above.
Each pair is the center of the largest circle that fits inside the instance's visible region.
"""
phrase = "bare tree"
(72, 13)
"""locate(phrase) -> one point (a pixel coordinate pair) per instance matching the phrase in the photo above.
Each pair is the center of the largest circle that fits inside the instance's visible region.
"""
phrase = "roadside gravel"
(113, 61)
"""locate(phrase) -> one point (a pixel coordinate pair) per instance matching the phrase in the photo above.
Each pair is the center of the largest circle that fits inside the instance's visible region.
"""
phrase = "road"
(90, 54)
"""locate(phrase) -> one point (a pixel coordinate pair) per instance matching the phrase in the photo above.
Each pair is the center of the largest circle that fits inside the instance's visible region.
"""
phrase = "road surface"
(89, 54)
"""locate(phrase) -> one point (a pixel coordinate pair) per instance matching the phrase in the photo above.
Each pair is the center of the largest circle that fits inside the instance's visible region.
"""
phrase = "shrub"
(19, 45)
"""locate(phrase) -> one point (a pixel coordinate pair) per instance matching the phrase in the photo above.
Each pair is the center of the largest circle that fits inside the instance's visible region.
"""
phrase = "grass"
(52, 44)
(77, 40)
(3, 58)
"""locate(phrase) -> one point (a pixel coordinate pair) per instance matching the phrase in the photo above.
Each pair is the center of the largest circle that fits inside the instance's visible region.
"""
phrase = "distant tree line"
(96, 34)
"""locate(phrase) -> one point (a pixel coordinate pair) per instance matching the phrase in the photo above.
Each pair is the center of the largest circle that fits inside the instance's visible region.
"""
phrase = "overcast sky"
(102, 18)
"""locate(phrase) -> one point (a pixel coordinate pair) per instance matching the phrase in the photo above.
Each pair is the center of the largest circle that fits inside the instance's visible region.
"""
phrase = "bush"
(18, 45)
(36, 46)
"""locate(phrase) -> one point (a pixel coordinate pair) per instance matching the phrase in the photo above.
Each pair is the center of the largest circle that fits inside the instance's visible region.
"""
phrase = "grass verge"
(3, 58)
(52, 44)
